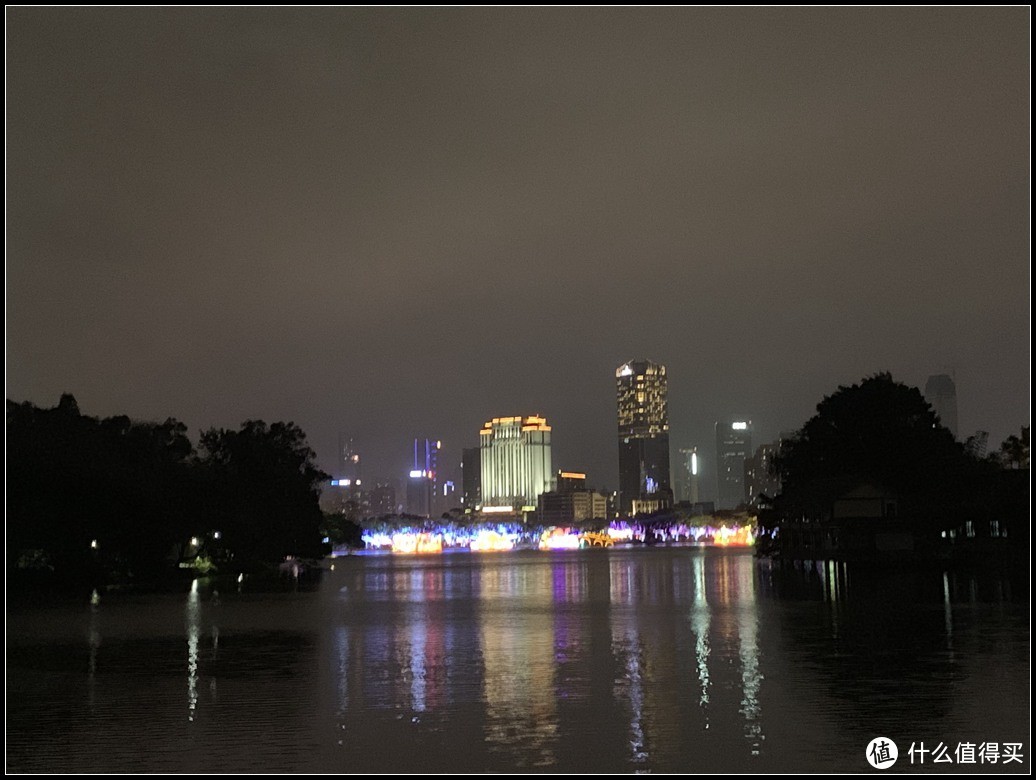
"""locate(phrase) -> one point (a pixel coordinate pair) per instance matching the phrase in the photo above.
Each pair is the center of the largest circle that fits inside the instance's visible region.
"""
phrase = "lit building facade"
(733, 448)
(642, 396)
(941, 392)
(515, 462)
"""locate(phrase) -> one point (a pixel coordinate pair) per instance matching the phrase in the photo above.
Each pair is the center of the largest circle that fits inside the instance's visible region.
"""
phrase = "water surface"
(620, 660)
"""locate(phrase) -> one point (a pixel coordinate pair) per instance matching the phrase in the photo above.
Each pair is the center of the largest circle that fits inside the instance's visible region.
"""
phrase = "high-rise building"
(941, 392)
(690, 470)
(422, 484)
(514, 462)
(758, 476)
(642, 396)
(382, 500)
(471, 477)
(733, 447)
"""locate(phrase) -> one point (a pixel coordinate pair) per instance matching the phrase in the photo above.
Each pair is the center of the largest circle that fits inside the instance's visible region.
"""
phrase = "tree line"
(120, 500)
(885, 433)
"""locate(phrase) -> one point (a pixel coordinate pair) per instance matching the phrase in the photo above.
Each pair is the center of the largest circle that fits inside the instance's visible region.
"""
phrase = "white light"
(740, 426)
(93, 544)
(626, 371)
(489, 509)
(217, 535)
(694, 463)
(194, 541)
(357, 482)
(416, 473)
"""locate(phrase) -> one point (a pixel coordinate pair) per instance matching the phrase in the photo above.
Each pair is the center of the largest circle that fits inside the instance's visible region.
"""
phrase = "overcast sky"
(402, 222)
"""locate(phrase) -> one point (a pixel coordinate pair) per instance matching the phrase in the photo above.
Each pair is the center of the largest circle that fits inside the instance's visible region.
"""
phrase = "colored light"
(492, 541)
(559, 539)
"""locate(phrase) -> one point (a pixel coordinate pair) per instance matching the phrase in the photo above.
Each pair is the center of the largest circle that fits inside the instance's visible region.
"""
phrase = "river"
(677, 659)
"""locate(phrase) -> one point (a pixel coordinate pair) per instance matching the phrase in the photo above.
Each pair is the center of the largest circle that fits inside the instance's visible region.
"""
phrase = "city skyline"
(388, 222)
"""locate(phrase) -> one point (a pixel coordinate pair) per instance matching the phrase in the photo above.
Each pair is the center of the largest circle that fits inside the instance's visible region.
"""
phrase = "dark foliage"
(98, 500)
(883, 433)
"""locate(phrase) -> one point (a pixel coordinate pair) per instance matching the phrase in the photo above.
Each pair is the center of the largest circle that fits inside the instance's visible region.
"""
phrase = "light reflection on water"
(669, 659)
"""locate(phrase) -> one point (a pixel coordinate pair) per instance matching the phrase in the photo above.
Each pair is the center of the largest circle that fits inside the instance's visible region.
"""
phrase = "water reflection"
(518, 662)
(666, 660)
(193, 632)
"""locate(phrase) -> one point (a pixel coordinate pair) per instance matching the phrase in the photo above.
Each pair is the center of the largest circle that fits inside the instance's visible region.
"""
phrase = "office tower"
(642, 396)
(758, 479)
(941, 393)
(690, 470)
(423, 480)
(382, 500)
(471, 477)
(733, 447)
(514, 462)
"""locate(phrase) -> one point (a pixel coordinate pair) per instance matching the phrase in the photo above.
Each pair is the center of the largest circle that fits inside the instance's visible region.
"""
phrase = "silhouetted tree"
(883, 432)
(263, 487)
(90, 497)
(1014, 452)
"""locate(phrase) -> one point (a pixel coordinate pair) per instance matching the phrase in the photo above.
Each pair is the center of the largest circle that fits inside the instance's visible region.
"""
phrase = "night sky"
(402, 222)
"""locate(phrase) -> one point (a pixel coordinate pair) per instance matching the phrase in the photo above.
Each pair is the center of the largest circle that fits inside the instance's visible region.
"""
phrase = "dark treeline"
(114, 500)
(883, 433)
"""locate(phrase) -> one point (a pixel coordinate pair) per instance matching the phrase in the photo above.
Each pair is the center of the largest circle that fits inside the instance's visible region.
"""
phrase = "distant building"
(571, 501)
(348, 459)
(688, 487)
(570, 480)
(557, 507)
(733, 447)
(419, 494)
(471, 478)
(941, 392)
(643, 416)
(346, 496)
(758, 478)
(422, 483)
(382, 500)
(515, 462)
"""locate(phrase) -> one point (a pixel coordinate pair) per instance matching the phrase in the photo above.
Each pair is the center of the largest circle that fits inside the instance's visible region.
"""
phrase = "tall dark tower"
(733, 448)
(941, 393)
(642, 395)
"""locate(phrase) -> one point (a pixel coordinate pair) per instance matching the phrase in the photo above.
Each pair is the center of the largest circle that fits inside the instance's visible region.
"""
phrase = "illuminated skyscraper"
(733, 447)
(642, 395)
(941, 393)
(515, 461)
